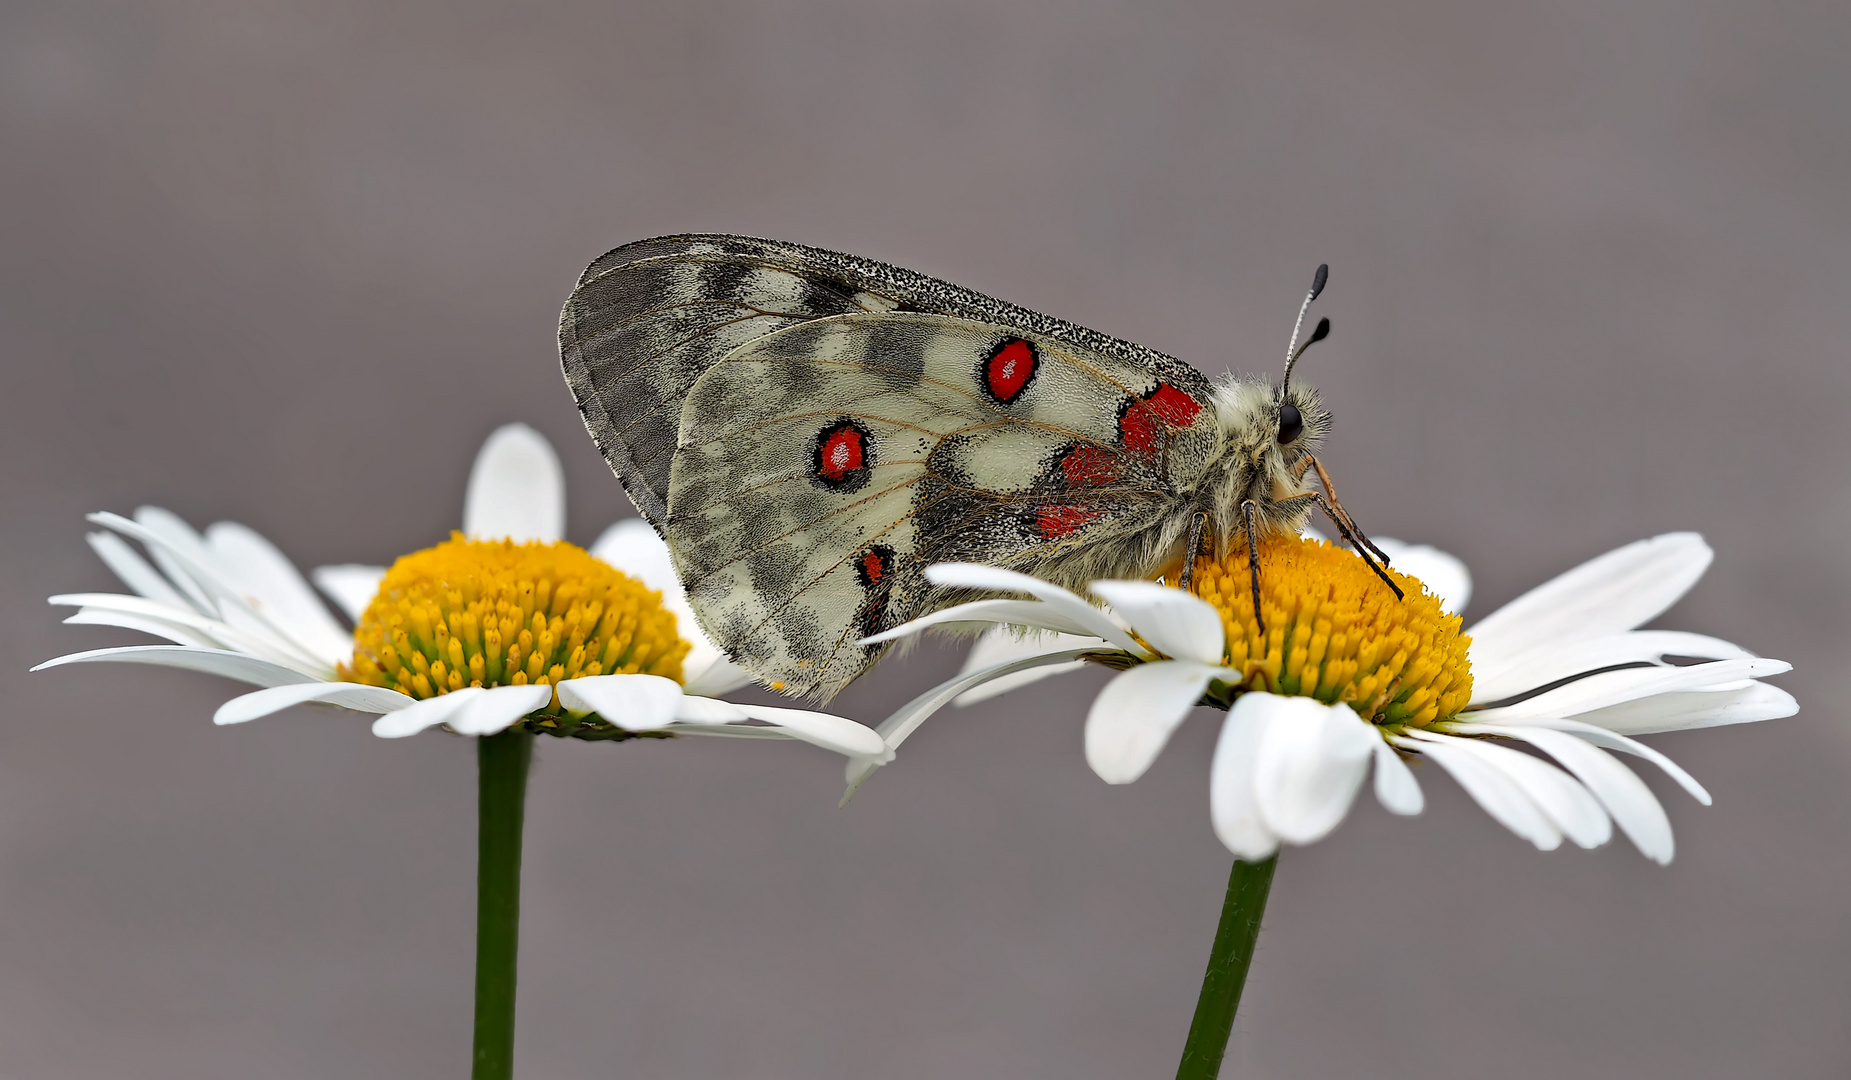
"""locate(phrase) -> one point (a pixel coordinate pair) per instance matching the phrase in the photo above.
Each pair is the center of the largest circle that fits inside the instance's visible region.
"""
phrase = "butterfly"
(809, 430)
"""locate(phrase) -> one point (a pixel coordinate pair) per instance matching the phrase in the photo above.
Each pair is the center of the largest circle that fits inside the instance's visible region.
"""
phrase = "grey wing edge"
(914, 291)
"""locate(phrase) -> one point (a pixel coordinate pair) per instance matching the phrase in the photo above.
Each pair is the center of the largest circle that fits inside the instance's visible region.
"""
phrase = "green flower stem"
(502, 795)
(1228, 960)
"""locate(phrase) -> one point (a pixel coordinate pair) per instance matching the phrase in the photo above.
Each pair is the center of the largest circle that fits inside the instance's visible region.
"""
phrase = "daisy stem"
(501, 800)
(1228, 960)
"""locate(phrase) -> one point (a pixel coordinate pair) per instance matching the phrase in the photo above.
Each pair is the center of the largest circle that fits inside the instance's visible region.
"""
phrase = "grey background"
(289, 262)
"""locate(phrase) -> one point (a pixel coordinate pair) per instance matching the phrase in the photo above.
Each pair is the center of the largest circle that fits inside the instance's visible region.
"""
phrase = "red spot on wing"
(1090, 466)
(873, 568)
(1008, 369)
(1058, 520)
(1142, 426)
(843, 451)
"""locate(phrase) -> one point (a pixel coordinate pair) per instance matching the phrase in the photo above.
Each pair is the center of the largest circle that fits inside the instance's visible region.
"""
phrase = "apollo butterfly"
(809, 430)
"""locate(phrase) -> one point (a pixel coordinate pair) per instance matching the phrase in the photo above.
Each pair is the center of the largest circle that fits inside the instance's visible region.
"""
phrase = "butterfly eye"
(1291, 425)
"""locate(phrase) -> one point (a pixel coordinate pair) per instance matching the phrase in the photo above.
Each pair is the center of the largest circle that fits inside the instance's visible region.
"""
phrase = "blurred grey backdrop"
(287, 263)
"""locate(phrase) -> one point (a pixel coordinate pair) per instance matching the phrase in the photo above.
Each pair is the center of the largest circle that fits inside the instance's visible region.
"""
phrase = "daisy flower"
(504, 631)
(503, 626)
(1346, 680)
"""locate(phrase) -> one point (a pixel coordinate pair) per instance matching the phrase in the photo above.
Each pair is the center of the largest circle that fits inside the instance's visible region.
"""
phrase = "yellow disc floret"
(1335, 632)
(498, 613)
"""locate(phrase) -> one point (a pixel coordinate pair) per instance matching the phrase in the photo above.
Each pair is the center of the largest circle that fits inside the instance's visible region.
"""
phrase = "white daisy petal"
(188, 562)
(1232, 805)
(273, 587)
(1551, 663)
(1083, 618)
(907, 718)
(693, 709)
(903, 721)
(736, 731)
(425, 713)
(1444, 575)
(631, 702)
(1395, 786)
(632, 546)
(516, 489)
(173, 545)
(1618, 788)
(1614, 687)
(1568, 805)
(134, 570)
(830, 732)
(252, 639)
(1031, 614)
(1312, 760)
(1697, 709)
(1134, 716)
(160, 628)
(1175, 623)
(351, 586)
(1608, 740)
(175, 548)
(1003, 643)
(226, 664)
(720, 676)
(1618, 591)
(1494, 792)
(497, 708)
(259, 703)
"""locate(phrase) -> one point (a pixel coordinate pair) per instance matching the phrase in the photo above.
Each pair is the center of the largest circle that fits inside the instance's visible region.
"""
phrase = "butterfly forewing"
(820, 468)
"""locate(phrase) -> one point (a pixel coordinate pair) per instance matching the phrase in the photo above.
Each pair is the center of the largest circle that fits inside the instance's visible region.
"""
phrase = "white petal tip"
(516, 489)
(858, 773)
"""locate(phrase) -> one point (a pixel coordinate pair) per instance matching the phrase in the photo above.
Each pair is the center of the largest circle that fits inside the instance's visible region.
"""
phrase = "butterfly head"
(1270, 430)
(1267, 437)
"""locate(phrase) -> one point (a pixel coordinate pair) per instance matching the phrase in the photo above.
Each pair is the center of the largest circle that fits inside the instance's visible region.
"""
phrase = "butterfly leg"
(1193, 549)
(1344, 526)
(1331, 490)
(1253, 566)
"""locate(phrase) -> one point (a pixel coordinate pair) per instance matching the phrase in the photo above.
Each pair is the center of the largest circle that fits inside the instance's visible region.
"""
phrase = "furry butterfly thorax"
(809, 430)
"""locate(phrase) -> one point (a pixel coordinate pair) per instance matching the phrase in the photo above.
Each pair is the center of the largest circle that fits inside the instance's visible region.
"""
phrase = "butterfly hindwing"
(649, 318)
(820, 468)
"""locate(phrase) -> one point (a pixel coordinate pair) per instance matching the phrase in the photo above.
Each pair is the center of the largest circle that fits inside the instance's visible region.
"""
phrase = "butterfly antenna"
(1294, 350)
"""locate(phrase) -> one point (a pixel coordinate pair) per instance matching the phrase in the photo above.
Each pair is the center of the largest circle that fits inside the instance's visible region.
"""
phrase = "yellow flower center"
(497, 613)
(1335, 632)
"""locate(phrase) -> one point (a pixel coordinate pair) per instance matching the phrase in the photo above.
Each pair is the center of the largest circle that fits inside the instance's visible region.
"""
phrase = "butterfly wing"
(649, 318)
(820, 468)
